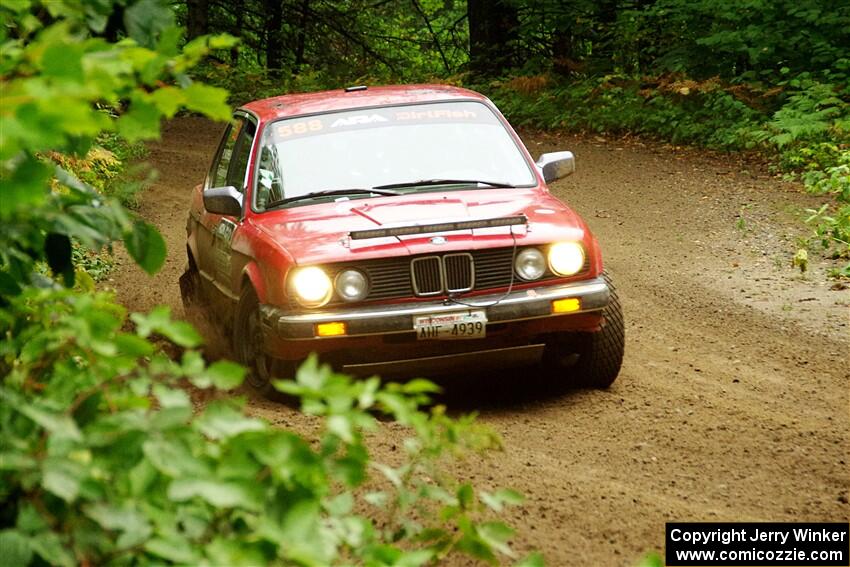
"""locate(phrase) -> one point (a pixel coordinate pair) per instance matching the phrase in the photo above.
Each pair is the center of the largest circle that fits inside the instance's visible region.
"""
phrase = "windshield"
(397, 145)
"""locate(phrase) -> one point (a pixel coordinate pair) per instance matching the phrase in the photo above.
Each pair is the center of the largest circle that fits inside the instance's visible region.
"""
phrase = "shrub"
(832, 222)
(105, 460)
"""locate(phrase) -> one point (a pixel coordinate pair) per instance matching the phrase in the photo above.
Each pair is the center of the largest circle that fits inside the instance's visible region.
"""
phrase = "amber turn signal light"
(335, 329)
(566, 305)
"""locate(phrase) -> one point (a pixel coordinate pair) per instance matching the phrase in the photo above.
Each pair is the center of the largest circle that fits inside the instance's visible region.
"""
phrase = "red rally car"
(396, 229)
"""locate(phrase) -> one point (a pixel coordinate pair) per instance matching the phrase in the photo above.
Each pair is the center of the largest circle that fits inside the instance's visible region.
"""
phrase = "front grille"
(393, 278)
(427, 274)
(459, 272)
(493, 267)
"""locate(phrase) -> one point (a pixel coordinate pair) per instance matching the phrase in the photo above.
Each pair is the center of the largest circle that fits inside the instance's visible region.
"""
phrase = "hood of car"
(320, 233)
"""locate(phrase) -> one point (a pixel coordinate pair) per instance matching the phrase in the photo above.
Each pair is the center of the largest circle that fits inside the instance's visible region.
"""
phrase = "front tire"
(600, 354)
(190, 287)
(248, 345)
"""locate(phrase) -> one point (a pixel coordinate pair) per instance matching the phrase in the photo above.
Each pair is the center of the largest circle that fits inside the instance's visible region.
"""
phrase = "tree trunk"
(492, 33)
(301, 38)
(114, 25)
(274, 42)
(237, 31)
(197, 18)
(607, 22)
(562, 52)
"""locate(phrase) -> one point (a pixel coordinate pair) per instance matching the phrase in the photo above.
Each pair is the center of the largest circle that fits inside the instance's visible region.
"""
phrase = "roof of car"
(342, 99)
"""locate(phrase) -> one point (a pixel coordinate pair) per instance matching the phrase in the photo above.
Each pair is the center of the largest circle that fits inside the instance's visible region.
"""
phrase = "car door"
(230, 168)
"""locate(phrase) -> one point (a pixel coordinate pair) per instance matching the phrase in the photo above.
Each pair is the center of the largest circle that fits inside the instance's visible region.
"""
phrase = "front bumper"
(369, 320)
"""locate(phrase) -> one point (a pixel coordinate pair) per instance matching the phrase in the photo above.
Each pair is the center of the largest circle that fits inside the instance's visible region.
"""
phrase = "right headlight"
(566, 258)
(312, 286)
(530, 264)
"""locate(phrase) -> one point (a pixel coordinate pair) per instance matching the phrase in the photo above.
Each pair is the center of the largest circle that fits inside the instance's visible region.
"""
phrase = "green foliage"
(835, 179)
(330, 43)
(832, 222)
(809, 115)
(651, 560)
(249, 84)
(612, 104)
(104, 460)
(97, 264)
(105, 170)
(56, 81)
(126, 178)
(753, 40)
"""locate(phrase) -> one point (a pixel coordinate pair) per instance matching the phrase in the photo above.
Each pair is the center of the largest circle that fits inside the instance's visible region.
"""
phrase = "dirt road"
(733, 399)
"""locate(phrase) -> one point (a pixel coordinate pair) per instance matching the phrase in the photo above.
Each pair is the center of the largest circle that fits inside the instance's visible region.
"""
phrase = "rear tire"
(248, 346)
(600, 354)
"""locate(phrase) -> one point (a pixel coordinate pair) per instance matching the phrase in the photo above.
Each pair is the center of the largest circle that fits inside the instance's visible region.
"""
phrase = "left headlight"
(312, 286)
(566, 258)
(352, 285)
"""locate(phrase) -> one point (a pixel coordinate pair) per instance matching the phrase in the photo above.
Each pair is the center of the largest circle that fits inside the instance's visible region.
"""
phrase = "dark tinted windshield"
(366, 148)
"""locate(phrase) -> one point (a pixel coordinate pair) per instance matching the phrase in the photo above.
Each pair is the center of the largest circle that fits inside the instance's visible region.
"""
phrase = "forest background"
(769, 77)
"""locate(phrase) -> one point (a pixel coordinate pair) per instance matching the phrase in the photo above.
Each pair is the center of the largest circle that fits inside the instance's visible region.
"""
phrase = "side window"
(240, 155)
(218, 177)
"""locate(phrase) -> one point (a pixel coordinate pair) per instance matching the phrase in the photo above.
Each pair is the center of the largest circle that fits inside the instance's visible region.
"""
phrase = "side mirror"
(556, 165)
(223, 201)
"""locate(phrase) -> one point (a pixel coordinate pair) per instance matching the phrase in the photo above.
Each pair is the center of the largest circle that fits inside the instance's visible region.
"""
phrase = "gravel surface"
(733, 399)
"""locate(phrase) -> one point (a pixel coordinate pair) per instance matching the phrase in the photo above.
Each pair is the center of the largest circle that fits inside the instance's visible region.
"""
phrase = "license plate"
(451, 326)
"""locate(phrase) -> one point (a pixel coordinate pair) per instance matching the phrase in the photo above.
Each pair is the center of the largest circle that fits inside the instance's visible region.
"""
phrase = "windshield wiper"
(427, 182)
(329, 193)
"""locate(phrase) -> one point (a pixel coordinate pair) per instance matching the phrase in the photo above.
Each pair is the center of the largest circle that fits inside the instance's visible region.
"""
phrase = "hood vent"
(438, 227)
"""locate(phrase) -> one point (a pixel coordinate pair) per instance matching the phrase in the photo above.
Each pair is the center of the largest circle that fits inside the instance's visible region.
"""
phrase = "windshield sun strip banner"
(429, 113)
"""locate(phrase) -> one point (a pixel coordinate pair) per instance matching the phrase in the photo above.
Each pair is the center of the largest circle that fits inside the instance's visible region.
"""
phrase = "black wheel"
(249, 349)
(600, 354)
